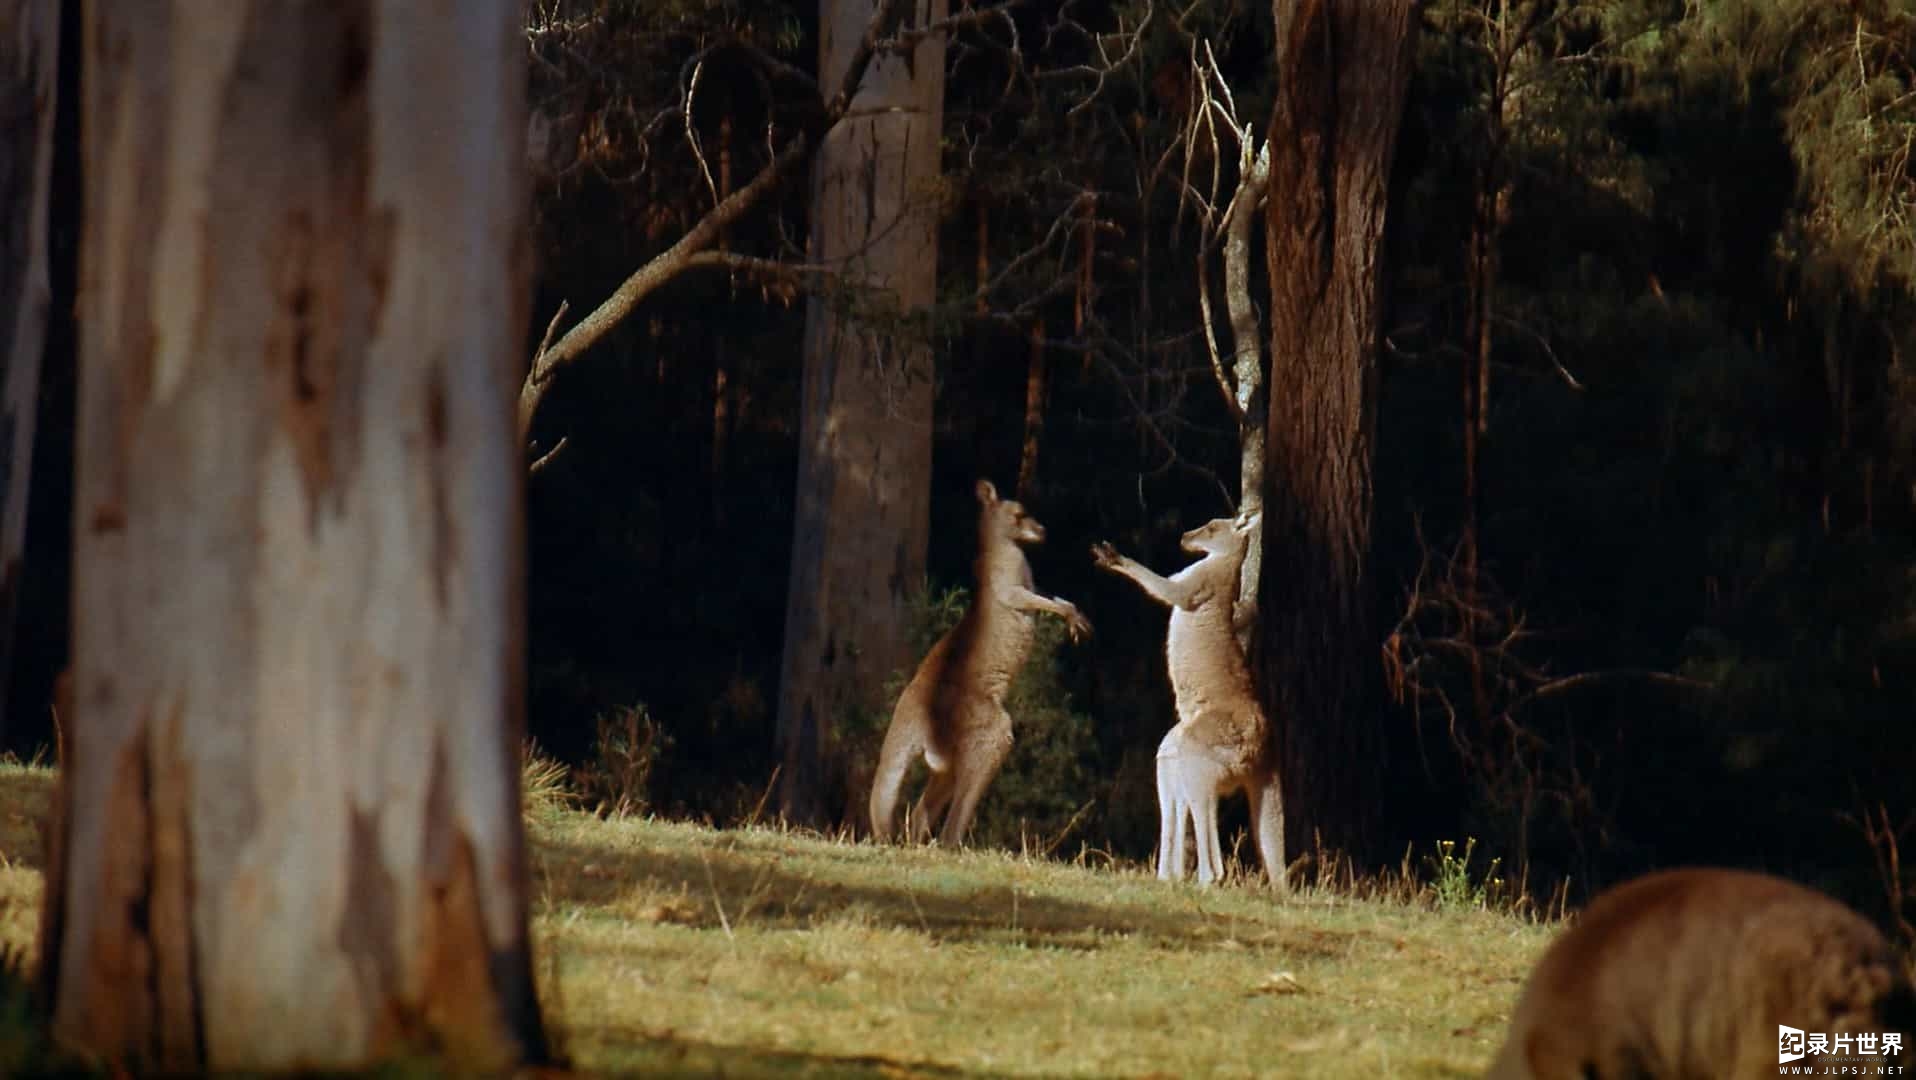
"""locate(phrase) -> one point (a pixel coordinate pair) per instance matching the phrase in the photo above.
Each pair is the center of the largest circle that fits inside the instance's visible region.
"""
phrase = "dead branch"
(1455, 624)
(552, 327)
(1210, 340)
(1248, 364)
(656, 272)
(683, 255)
(1885, 848)
(693, 250)
(1543, 342)
(539, 463)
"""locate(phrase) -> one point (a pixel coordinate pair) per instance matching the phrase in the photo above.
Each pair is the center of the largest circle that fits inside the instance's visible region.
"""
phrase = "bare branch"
(1248, 366)
(1593, 678)
(546, 341)
(1210, 340)
(1456, 629)
(1543, 343)
(753, 264)
(538, 465)
(662, 268)
(669, 263)
(692, 131)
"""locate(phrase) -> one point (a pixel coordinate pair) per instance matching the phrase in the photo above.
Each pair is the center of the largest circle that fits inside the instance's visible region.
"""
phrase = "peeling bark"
(864, 457)
(29, 59)
(290, 834)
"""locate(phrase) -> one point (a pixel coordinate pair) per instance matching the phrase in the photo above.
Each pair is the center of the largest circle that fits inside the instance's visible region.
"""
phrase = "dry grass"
(25, 793)
(669, 948)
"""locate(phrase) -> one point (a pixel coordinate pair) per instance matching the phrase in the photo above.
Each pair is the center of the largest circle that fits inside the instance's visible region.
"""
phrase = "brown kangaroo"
(1220, 743)
(953, 711)
(1691, 973)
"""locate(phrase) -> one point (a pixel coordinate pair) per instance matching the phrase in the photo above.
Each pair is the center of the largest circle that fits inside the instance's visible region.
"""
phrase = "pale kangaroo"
(953, 711)
(1691, 973)
(1220, 743)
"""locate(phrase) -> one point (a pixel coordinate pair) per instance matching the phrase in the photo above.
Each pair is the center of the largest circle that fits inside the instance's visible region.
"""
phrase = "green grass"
(675, 949)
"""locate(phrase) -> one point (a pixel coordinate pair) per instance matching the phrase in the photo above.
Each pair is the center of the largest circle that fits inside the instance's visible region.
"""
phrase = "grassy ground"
(675, 949)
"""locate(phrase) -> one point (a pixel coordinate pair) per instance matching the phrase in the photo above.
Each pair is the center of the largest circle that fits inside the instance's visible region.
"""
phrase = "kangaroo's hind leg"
(904, 742)
(1173, 809)
(1267, 825)
(978, 761)
(1204, 825)
(933, 803)
(1199, 782)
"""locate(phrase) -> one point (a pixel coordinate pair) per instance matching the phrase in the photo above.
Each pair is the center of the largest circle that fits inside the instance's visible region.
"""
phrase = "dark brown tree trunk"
(864, 457)
(721, 362)
(1479, 280)
(1342, 69)
(29, 53)
(291, 834)
(1489, 207)
(1035, 378)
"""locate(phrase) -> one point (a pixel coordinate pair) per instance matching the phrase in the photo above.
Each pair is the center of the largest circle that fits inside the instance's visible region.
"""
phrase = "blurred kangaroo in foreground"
(1220, 743)
(953, 711)
(1691, 973)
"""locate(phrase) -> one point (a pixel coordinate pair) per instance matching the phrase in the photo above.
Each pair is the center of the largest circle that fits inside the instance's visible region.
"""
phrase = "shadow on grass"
(640, 1054)
(760, 888)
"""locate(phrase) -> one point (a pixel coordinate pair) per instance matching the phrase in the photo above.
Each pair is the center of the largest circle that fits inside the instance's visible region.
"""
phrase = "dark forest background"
(1693, 630)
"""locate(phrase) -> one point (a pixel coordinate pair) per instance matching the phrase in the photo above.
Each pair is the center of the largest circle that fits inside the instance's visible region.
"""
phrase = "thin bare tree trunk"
(1248, 383)
(292, 834)
(29, 61)
(1342, 68)
(864, 459)
(1489, 206)
(721, 363)
(1480, 289)
(1035, 379)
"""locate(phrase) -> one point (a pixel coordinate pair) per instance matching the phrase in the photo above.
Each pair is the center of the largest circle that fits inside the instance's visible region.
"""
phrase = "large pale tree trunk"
(1342, 69)
(292, 833)
(29, 54)
(864, 459)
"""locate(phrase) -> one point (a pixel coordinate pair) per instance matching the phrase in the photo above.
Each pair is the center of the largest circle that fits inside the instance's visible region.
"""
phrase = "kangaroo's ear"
(986, 493)
(1248, 521)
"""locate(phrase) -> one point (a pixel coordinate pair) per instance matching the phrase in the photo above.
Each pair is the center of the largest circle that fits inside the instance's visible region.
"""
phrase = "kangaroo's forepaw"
(1076, 624)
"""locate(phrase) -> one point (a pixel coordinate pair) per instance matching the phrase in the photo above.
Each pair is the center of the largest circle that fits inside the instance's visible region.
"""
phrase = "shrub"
(544, 782)
(617, 779)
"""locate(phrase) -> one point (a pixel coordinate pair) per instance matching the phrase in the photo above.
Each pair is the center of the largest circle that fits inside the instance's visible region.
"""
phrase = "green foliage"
(25, 1049)
(1452, 885)
(1047, 786)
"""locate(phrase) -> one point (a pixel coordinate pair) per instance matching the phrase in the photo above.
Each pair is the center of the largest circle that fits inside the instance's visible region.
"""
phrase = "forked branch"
(693, 249)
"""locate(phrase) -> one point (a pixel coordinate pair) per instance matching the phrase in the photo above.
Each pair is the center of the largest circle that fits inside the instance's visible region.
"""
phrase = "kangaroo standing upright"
(1220, 743)
(953, 710)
